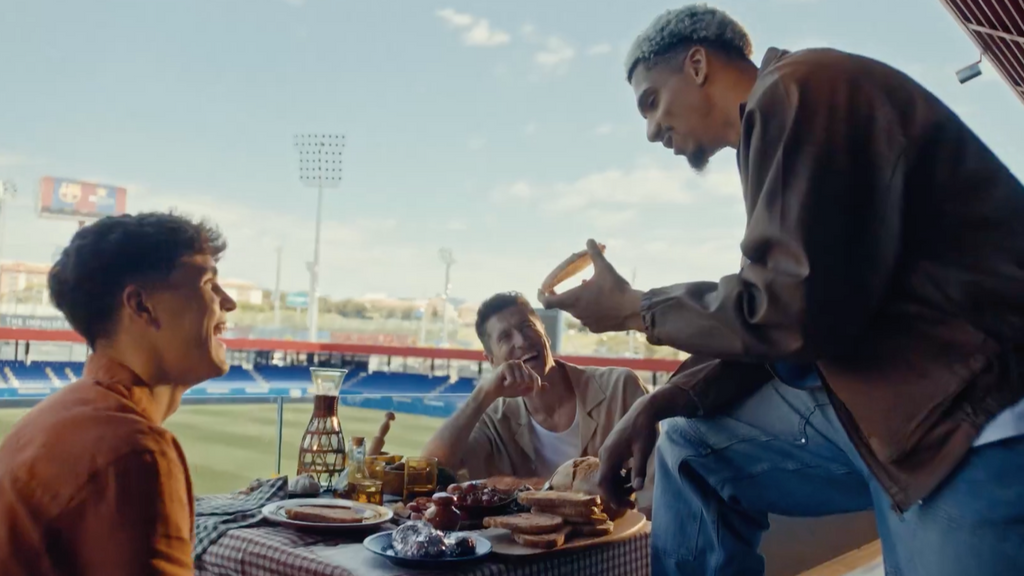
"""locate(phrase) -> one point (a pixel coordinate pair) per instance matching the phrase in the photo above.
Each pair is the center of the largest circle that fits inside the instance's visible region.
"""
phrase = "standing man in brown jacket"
(868, 353)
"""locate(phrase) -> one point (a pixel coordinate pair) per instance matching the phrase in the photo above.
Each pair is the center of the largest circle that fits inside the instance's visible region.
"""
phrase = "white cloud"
(457, 19)
(295, 2)
(555, 55)
(603, 130)
(530, 128)
(598, 49)
(477, 31)
(477, 143)
(645, 184)
(12, 160)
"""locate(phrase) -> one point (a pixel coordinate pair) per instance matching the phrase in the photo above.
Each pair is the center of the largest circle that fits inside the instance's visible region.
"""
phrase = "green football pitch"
(228, 446)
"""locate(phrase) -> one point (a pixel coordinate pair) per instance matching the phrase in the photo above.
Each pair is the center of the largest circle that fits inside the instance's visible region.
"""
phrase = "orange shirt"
(92, 484)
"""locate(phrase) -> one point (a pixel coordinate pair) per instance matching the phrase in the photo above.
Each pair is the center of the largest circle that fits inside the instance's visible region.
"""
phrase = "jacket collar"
(771, 56)
(103, 370)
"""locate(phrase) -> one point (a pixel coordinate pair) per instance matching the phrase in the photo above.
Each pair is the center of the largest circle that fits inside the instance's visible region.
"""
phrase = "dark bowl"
(478, 513)
(380, 544)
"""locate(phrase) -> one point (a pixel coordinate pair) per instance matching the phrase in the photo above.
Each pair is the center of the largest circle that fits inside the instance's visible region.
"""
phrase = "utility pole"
(320, 166)
(448, 260)
(632, 334)
(277, 289)
(7, 192)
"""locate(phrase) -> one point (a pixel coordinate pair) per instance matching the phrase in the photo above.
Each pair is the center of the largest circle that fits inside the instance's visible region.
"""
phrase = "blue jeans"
(783, 451)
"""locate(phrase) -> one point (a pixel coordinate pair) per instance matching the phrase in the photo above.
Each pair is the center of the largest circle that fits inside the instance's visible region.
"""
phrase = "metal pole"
(631, 334)
(277, 291)
(448, 259)
(280, 432)
(314, 274)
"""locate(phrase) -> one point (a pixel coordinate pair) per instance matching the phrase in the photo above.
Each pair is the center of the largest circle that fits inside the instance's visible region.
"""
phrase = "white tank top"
(552, 449)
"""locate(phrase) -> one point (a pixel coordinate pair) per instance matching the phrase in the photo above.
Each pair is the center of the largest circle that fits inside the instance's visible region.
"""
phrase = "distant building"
(25, 279)
(243, 292)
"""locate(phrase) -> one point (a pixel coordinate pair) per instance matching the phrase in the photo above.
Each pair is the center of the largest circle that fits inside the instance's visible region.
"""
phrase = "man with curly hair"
(868, 352)
(91, 483)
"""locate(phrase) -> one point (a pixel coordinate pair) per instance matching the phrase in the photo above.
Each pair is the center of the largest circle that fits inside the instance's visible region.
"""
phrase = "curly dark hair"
(495, 305)
(107, 256)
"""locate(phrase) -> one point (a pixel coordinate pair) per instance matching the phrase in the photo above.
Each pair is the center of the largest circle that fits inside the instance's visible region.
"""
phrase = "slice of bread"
(526, 523)
(562, 500)
(543, 541)
(324, 515)
(592, 531)
(567, 511)
(594, 520)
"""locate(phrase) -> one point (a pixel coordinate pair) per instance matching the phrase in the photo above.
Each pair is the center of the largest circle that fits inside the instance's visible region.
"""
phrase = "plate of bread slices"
(568, 514)
(326, 514)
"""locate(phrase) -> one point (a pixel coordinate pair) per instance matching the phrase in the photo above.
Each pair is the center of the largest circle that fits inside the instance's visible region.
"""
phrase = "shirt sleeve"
(133, 519)
(821, 167)
(485, 456)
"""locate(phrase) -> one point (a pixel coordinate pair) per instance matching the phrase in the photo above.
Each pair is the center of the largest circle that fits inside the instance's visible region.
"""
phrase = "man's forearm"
(449, 443)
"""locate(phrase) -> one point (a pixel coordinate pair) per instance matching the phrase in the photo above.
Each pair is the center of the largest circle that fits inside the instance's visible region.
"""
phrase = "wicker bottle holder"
(322, 450)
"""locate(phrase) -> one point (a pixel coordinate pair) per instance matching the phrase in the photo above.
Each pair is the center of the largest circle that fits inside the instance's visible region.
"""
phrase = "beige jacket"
(502, 442)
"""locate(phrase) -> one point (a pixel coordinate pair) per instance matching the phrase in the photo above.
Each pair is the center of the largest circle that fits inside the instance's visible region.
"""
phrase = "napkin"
(217, 514)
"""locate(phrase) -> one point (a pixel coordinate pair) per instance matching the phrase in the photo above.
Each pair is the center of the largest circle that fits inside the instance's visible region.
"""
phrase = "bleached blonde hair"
(683, 28)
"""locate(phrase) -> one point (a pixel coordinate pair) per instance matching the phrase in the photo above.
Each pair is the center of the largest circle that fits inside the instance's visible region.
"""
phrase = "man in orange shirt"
(90, 481)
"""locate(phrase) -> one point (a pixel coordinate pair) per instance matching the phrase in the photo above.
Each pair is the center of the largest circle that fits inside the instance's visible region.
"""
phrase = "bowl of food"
(476, 500)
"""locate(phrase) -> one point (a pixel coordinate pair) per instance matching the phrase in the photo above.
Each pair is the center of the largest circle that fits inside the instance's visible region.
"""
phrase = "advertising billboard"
(71, 199)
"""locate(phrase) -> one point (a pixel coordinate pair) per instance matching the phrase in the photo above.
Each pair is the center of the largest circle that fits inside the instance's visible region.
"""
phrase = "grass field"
(227, 446)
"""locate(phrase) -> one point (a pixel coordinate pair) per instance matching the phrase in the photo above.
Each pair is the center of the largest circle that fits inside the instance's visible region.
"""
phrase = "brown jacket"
(886, 243)
(91, 484)
(502, 444)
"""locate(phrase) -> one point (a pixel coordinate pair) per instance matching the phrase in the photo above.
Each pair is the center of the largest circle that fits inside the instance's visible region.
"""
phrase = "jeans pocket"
(775, 412)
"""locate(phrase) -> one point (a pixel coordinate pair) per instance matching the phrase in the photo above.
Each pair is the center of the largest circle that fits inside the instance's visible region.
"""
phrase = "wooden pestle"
(377, 444)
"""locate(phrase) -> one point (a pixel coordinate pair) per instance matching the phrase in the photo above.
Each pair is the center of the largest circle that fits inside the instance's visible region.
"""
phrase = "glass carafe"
(322, 450)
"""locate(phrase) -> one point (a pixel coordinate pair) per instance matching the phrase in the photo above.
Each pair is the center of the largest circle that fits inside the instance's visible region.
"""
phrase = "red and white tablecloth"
(277, 551)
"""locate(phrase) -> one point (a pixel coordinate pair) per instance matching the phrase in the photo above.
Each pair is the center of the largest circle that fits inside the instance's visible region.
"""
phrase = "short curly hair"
(107, 256)
(683, 28)
(494, 306)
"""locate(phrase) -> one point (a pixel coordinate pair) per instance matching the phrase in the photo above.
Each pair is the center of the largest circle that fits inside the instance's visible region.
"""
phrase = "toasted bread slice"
(551, 499)
(592, 531)
(567, 511)
(324, 515)
(594, 520)
(543, 541)
(526, 523)
(568, 268)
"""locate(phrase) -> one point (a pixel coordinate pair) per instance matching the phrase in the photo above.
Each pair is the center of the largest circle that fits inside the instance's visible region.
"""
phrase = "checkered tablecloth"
(276, 551)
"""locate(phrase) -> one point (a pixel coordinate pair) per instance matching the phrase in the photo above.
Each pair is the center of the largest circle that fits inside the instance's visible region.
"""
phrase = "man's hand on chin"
(605, 303)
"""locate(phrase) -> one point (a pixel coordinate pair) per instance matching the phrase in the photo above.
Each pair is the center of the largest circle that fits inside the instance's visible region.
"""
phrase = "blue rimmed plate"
(380, 544)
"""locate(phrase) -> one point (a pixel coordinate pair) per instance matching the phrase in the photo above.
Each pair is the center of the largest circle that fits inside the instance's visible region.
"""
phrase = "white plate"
(374, 515)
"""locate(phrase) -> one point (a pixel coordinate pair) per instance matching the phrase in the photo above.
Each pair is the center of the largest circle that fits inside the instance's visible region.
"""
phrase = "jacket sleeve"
(821, 167)
(713, 385)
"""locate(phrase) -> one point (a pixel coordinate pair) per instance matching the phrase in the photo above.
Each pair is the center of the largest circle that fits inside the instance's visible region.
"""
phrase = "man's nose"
(227, 303)
(653, 130)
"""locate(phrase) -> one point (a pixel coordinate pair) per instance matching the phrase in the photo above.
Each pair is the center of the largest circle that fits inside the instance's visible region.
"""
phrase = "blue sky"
(503, 130)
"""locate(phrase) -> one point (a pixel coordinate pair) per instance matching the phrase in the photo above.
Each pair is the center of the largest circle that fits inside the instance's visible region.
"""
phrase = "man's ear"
(137, 306)
(697, 65)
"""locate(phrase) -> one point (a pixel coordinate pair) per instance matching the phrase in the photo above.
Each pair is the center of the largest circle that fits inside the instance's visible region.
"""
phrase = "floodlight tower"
(448, 259)
(320, 166)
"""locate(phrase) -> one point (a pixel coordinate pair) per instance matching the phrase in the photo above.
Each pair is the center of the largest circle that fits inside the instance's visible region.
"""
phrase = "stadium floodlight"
(319, 166)
(969, 72)
(448, 259)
